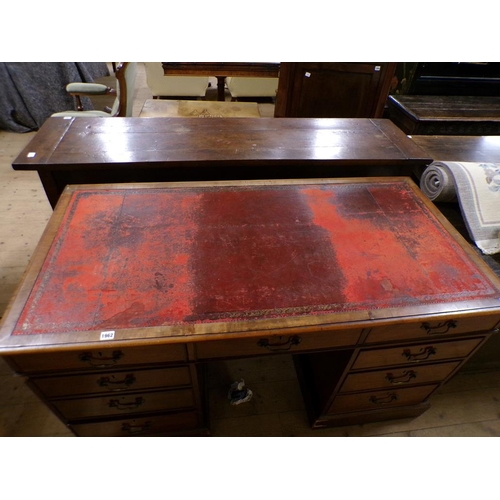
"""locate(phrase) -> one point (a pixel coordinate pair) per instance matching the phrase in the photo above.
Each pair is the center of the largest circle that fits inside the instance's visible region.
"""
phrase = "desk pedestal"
(135, 288)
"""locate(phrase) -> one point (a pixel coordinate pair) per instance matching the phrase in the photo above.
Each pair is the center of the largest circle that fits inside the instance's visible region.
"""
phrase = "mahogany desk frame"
(109, 150)
(354, 366)
(221, 70)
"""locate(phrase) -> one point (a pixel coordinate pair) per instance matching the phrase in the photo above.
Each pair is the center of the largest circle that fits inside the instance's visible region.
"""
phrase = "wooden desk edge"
(190, 334)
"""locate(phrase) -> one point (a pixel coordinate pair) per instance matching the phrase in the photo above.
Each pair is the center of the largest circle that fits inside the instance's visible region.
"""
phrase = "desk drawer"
(398, 377)
(432, 329)
(100, 359)
(381, 399)
(112, 382)
(276, 344)
(413, 354)
(74, 409)
(140, 426)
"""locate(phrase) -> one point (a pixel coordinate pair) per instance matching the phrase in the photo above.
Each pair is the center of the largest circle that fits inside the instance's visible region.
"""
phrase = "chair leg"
(79, 105)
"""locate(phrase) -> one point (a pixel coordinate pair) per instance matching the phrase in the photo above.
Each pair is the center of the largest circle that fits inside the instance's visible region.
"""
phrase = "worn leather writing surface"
(130, 258)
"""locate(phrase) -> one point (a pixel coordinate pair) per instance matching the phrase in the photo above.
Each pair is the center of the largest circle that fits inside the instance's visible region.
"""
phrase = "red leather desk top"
(136, 257)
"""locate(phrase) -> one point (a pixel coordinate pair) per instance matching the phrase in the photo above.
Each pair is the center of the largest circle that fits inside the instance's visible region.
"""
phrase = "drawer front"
(112, 382)
(74, 409)
(140, 426)
(398, 377)
(277, 344)
(432, 329)
(100, 359)
(414, 354)
(381, 399)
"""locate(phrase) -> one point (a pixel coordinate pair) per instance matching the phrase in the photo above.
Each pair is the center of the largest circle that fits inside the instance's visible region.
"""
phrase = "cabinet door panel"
(333, 90)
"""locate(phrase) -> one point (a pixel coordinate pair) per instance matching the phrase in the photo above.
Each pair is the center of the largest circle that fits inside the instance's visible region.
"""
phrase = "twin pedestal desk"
(135, 288)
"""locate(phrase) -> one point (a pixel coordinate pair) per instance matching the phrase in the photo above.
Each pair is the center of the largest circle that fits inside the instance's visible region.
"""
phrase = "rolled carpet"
(476, 188)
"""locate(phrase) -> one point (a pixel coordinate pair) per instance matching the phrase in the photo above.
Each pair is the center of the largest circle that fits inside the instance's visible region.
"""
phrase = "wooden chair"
(123, 103)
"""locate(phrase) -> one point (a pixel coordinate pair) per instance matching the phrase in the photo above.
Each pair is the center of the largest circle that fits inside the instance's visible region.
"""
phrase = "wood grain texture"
(466, 406)
(89, 151)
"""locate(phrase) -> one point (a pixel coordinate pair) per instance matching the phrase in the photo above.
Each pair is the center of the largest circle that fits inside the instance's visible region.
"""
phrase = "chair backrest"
(125, 90)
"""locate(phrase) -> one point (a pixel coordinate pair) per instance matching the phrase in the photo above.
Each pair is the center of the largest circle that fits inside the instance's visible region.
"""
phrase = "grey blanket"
(31, 92)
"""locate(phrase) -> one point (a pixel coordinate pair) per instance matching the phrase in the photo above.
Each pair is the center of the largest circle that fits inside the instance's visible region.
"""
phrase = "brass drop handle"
(422, 355)
(115, 403)
(405, 378)
(107, 382)
(100, 361)
(136, 429)
(440, 328)
(384, 400)
(280, 346)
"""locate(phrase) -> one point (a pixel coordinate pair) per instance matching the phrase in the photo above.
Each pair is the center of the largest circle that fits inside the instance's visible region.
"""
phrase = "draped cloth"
(476, 188)
(31, 92)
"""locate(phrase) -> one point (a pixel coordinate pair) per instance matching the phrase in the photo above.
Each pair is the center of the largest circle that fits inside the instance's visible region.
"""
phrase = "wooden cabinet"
(454, 78)
(333, 90)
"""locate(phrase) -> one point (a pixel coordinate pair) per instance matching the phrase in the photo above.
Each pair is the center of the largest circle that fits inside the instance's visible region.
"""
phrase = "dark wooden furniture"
(460, 148)
(221, 70)
(133, 288)
(90, 150)
(333, 90)
(446, 115)
(455, 79)
(474, 149)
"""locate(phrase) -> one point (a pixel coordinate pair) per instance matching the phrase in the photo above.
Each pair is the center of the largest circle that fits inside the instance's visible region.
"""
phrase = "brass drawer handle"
(440, 328)
(136, 429)
(422, 355)
(115, 403)
(100, 361)
(280, 346)
(127, 382)
(384, 400)
(405, 378)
